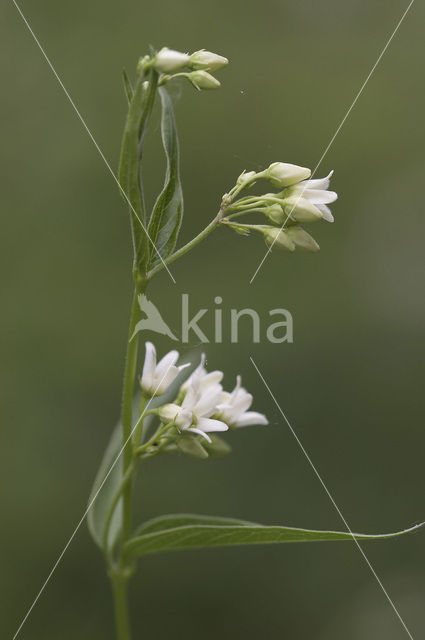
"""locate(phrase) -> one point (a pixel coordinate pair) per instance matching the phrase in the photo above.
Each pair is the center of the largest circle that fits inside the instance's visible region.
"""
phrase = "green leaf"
(167, 213)
(103, 491)
(163, 523)
(171, 533)
(129, 92)
(139, 111)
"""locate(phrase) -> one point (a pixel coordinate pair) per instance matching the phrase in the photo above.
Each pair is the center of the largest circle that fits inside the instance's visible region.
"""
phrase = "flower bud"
(191, 447)
(302, 239)
(246, 177)
(169, 61)
(241, 229)
(207, 60)
(203, 80)
(283, 174)
(301, 210)
(275, 213)
(277, 238)
(174, 413)
(144, 63)
(217, 447)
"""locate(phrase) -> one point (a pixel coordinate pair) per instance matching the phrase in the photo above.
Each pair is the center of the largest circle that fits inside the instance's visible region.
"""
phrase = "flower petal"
(165, 363)
(212, 378)
(317, 183)
(251, 417)
(190, 398)
(207, 424)
(208, 401)
(148, 367)
(242, 402)
(199, 433)
(326, 212)
(316, 196)
(169, 376)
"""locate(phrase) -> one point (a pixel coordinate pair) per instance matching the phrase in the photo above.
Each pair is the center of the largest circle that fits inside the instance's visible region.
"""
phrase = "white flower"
(233, 408)
(207, 60)
(169, 61)
(156, 378)
(202, 378)
(203, 392)
(313, 196)
(284, 174)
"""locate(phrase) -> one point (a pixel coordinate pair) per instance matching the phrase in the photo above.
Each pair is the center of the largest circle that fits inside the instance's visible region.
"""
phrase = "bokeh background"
(352, 382)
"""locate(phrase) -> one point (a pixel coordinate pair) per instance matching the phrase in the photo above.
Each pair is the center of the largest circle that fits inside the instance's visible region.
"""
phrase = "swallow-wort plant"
(168, 407)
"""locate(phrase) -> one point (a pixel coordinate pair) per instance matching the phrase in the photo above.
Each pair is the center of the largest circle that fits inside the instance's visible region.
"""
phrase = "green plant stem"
(140, 108)
(226, 205)
(187, 247)
(159, 432)
(119, 576)
(137, 431)
(127, 405)
(244, 212)
(122, 619)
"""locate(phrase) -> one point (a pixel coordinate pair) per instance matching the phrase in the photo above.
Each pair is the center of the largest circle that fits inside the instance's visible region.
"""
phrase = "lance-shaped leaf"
(104, 487)
(171, 533)
(129, 178)
(167, 213)
(163, 523)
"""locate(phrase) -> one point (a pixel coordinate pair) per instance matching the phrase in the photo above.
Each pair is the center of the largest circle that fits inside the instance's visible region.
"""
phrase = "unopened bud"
(169, 61)
(241, 229)
(277, 238)
(203, 80)
(191, 447)
(174, 413)
(301, 210)
(246, 177)
(283, 174)
(207, 60)
(302, 239)
(217, 446)
(275, 213)
(144, 63)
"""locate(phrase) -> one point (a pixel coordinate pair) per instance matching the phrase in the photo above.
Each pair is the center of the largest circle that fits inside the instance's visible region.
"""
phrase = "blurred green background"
(352, 382)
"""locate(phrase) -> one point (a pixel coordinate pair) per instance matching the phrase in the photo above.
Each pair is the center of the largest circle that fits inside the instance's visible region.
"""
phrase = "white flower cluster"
(167, 61)
(201, 405)
(300, 200)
